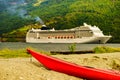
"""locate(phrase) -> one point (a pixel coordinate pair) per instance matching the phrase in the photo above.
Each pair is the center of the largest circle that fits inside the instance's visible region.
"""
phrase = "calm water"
(51, 46)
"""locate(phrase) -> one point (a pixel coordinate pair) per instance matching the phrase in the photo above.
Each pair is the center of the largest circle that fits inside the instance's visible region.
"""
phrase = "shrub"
(72, 47)
(106, 49)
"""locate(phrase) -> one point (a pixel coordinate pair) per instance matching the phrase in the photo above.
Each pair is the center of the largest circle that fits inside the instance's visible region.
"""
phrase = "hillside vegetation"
(63, 14)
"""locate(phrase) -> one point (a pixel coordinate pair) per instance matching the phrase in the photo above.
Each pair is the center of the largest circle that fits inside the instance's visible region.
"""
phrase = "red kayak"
(73, 69)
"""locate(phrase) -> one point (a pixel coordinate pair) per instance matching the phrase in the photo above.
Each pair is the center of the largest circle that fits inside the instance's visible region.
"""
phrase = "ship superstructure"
(82, 34)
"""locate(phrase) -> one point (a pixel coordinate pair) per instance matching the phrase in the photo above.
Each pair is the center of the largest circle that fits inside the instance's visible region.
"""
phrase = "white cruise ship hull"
(82, 34)
(101, 40)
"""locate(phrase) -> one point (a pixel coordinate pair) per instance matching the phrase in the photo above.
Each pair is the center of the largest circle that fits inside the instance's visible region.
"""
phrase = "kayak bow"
(73, 69)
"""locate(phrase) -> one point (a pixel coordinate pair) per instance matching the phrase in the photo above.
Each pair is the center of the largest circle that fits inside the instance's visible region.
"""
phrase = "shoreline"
(52, 47)
(24, 69)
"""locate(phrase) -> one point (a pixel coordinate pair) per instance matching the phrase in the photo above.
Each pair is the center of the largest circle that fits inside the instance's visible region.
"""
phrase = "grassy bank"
(10, 53)
(106, 49)
(14, 53)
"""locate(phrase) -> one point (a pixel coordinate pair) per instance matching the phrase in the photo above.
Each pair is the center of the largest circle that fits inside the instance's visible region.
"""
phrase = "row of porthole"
(62, 37)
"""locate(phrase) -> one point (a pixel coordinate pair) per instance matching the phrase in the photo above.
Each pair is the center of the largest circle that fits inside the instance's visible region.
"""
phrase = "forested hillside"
(60, 14)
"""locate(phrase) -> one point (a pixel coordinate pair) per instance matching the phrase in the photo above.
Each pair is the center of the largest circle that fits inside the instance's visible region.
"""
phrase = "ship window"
(55, 37)
(49, 37)
(90, 31)
(64, 37)
(68, 37)
(61, 37)
(99, 41)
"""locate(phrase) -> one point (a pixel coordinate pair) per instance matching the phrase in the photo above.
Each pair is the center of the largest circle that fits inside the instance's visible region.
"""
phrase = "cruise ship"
(82, 34)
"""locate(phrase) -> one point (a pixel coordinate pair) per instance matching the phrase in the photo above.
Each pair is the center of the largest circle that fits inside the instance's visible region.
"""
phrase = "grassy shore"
(9, 53)
(13, 53)
(106, 49)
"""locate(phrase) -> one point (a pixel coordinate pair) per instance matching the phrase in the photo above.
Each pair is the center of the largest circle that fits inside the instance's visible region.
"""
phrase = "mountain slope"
(62, 14)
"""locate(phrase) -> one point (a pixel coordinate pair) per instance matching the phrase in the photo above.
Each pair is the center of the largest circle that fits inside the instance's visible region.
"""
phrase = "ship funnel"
(44, 27)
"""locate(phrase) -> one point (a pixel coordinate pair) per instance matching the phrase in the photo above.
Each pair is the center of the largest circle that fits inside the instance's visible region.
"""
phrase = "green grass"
(72, 47)
(9, 53)
(106, 49)
(14, 53)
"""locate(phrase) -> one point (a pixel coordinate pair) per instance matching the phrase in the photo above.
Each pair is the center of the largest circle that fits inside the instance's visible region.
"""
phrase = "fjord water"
(52, 46)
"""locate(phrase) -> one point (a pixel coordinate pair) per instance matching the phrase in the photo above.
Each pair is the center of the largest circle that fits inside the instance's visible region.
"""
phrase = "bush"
(72, 47)
(106, 49)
